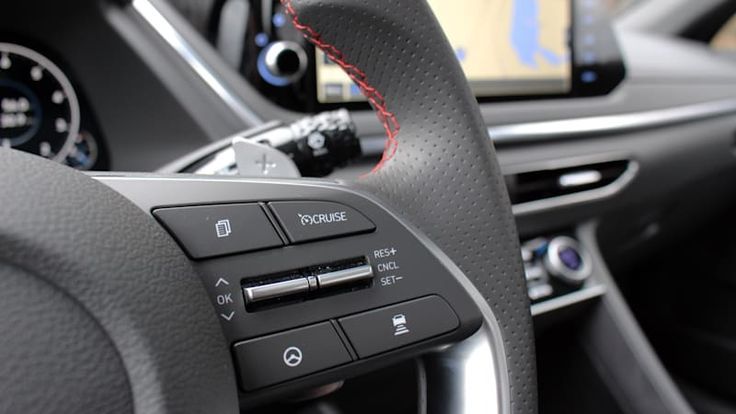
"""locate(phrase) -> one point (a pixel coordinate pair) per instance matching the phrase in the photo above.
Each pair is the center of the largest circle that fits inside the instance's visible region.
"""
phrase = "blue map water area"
(525, 35)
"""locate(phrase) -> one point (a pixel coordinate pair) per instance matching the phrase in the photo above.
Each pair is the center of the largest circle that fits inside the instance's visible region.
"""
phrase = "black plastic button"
(206, 231)
(313, 220)
(394, 326)
(277, 358)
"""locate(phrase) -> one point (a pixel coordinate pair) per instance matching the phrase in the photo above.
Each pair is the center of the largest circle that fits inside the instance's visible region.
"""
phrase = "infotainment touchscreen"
(505, 47)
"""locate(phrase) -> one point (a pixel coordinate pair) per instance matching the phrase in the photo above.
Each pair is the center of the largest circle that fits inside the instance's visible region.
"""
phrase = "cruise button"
(313, 220)
(384, 329)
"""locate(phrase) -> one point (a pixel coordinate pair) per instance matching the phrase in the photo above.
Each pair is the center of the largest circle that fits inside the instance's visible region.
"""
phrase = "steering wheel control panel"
(554, 267)
(311, 282)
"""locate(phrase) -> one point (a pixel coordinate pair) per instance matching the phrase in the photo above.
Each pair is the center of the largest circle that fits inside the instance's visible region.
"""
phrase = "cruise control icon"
(292, 356)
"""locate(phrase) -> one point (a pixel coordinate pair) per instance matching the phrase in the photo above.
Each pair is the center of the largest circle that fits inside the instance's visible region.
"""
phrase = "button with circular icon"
(279, 357)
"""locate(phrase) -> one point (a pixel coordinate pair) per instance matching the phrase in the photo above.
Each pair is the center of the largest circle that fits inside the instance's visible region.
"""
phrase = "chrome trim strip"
(610, 124)
(578, 198)
(260, 293)
(582, 295)
(174, 39)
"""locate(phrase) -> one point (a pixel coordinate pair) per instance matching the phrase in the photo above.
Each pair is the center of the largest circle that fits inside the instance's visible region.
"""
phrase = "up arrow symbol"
(221, 281)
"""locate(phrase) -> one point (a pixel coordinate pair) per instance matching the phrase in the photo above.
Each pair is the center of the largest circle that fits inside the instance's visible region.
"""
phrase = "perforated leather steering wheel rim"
(439, 167)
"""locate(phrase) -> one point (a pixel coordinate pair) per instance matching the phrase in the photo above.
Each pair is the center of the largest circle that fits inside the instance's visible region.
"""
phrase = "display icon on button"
(223, 229)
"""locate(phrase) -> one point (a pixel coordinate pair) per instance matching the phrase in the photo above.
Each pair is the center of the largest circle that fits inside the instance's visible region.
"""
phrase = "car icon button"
(392, 327)
(287, 355)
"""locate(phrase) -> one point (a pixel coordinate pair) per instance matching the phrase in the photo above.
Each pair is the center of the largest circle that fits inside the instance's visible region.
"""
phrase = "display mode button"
(214, 230)
(313, 220)
(392, 327)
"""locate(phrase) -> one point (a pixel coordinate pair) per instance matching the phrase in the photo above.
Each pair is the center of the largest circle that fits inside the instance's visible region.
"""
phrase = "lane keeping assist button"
(384, 329)
(313, 220)
(283, 356)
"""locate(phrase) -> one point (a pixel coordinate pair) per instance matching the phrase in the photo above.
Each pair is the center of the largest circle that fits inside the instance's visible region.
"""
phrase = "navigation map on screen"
(505, 47)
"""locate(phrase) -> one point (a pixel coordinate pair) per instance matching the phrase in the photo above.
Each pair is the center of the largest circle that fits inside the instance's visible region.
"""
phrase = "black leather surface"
(55, 358)
(115, 317)
(443, 175)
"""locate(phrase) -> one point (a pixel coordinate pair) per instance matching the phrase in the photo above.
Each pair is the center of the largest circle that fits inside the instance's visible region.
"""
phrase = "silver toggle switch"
(345, 276)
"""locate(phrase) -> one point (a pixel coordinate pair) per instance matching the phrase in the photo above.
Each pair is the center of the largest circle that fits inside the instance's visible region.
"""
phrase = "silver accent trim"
(276, 290)
(460, 378)
(345, 276)
(560, 302)
(581, 197)
(610, 124)
(174, 39)
(585, 127)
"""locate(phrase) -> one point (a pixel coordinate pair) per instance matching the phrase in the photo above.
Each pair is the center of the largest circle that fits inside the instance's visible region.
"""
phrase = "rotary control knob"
(568, 261)
(282, 63)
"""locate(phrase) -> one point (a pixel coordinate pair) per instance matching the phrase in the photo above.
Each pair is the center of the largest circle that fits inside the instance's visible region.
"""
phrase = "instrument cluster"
(42, 113)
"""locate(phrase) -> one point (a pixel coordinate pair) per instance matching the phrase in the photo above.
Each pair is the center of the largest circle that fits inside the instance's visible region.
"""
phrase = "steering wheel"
(106, 309)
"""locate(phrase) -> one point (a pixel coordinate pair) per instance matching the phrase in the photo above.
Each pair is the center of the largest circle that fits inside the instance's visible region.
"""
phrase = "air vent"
(558, 184)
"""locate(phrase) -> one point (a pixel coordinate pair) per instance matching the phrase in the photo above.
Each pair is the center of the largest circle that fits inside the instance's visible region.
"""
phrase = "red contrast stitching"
(387, 118)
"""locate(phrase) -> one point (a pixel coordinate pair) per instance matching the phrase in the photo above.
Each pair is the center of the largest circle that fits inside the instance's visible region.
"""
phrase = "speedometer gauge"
(39, 111)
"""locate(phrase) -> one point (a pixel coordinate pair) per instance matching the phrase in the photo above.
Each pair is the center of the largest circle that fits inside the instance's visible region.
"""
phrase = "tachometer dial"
(39, 111)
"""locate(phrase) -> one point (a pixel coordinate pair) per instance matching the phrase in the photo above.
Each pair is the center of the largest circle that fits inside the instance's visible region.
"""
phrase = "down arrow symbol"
(228, 317)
